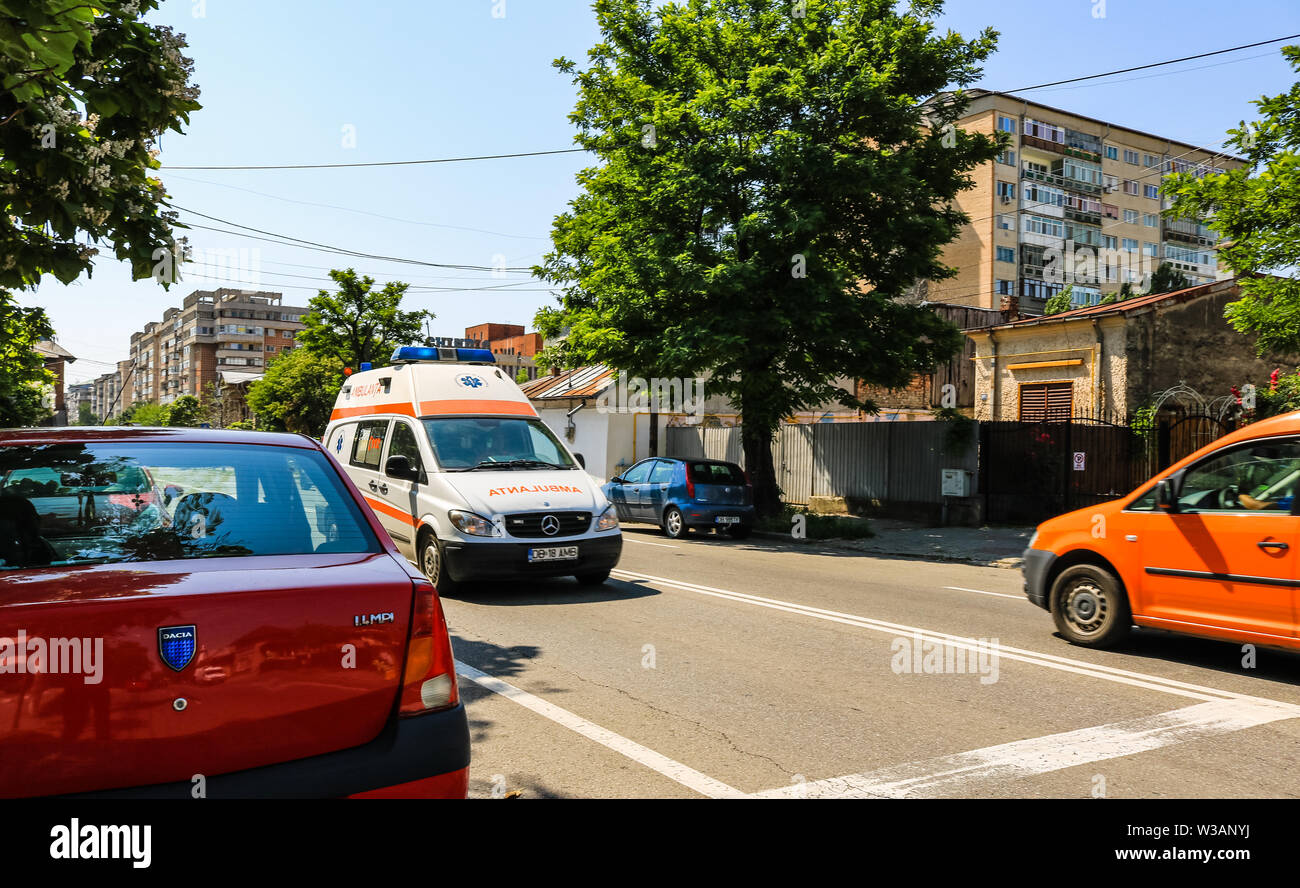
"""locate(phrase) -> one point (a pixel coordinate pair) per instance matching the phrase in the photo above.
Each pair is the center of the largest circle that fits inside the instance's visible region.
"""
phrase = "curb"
(1007, 563)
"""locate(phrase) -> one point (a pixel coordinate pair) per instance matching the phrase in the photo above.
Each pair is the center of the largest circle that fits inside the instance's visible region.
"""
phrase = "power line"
(339, 250)
(381, 163)
(1190, 58)
(307, 203)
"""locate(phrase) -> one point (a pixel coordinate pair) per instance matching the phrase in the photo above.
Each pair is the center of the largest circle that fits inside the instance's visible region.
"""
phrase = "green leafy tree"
(770, 184)
(1255, 210)
(521, 377)
(356, 325)
(297, 392)
(1060, 302)
(86, 416)
(147, 413)
(188, 411)
(23, 377)
(1167, 279)
(87, 91)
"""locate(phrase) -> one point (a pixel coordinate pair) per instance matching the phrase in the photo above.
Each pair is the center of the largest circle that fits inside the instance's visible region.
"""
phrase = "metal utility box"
(955, 482)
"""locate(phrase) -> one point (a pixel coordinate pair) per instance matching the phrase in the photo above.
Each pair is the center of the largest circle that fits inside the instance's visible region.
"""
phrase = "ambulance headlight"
(608, 519)
(474, 525)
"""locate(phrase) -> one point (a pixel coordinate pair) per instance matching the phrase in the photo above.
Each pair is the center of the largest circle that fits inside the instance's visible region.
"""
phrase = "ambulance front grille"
(529, 524)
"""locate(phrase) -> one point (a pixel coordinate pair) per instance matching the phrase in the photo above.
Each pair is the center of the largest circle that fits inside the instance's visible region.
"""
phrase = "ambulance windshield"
(469, 443)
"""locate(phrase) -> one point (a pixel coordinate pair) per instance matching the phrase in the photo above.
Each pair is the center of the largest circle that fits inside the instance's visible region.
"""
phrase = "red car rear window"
(88, 503)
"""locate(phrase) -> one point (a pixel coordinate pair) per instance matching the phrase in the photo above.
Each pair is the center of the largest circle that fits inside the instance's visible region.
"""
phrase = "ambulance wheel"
(1090, 607)
(674, 523)
(595, 578)
(433, 564)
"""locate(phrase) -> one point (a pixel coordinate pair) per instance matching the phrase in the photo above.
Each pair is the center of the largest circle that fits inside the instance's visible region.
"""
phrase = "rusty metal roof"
(1127, 306)
(582, 382)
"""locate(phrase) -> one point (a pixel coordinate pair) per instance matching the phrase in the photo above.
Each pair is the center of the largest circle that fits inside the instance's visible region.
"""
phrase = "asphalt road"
(716, 668)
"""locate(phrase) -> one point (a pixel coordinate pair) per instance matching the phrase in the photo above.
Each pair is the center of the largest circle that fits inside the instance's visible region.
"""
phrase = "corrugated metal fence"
(887, 462)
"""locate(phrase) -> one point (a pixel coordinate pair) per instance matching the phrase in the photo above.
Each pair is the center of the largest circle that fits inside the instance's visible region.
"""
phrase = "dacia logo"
(176, 645)
(469, 380)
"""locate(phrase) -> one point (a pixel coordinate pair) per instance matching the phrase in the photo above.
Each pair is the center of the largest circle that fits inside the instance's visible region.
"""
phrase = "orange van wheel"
(1090, 606)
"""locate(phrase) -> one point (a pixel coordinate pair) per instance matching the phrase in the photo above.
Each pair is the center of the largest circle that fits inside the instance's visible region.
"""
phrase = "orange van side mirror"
(1167, 496)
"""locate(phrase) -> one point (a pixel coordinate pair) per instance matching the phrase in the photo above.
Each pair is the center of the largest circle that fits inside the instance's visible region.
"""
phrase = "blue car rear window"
(716, 473)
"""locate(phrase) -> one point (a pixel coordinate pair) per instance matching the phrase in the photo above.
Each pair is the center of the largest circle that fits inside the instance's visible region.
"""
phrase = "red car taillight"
(690, 485)
(429, 680)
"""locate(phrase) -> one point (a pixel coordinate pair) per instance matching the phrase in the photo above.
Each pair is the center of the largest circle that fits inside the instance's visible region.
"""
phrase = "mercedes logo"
(550, 525)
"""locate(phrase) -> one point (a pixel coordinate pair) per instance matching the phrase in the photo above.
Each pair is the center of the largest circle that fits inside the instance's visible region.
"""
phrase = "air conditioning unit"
(1006, 198)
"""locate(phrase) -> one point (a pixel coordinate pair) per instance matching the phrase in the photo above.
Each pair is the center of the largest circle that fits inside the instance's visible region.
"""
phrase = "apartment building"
(1072, 201)
(213, 330)
(515, 349)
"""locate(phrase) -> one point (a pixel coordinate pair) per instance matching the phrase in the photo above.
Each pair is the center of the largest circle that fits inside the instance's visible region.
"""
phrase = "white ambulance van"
(468, 481)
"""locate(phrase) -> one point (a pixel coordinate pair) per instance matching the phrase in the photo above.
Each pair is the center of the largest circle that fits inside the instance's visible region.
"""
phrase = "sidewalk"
(987, 546)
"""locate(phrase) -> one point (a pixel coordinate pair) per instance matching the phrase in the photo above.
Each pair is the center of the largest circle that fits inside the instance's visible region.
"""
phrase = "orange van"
(1207, 547)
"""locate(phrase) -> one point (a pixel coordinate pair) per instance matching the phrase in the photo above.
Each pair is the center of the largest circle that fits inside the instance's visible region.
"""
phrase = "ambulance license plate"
(553, 553)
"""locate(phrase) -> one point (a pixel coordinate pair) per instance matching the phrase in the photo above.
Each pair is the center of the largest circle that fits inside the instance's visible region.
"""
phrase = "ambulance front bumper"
(468, 561)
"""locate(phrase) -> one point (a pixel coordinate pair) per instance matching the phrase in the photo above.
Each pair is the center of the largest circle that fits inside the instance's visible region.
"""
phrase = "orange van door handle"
(1272, 544)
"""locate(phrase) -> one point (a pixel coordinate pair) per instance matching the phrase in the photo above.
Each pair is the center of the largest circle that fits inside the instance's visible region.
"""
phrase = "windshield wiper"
(515, 464)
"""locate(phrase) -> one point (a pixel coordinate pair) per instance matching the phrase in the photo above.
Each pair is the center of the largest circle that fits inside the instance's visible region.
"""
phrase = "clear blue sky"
(444, 78)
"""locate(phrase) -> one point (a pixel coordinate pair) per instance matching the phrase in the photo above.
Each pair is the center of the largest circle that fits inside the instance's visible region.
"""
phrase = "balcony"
(1042, 144)
(1077, 215)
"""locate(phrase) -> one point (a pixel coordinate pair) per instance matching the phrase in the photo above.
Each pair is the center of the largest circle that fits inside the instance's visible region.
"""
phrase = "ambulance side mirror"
(582, 462)
(400, 467)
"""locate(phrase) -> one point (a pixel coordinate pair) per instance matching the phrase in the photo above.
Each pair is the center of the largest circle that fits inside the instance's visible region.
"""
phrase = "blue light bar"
(406, 353)
(409, 353)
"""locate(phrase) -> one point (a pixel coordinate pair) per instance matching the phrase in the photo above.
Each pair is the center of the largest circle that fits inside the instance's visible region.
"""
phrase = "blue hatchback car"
(683, 494)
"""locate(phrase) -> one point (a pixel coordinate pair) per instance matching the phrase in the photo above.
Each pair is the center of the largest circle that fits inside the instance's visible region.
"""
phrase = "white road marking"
(1040, 755)
(1050, 661)
(673, 770)
(628, 539)
(982, 592)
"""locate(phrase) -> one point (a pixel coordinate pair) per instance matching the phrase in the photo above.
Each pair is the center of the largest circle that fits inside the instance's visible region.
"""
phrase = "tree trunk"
(756, 438)
(654, 428)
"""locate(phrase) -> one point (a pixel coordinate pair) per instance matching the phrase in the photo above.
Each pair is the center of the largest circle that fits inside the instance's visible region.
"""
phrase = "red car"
(189, 612)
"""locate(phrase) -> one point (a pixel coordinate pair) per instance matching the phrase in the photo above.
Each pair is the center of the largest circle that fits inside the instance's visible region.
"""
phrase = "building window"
(1150, 160)
(1006, 254)
(1044, 225)
(1005, 288)
(1110, 183)
(1045, 131)
(1152, 250)
(1151, 191)
(1007, 190)
(1108, 242)
(1005, 222)
(1110, 211)
(1150, 220)
(1131, 217)
(1130, 156)
(1046, 401)
(1032, 289)
(1112, 152)
(1130, 245)
(1007, 124)
(1131, 187)
(1007, 157)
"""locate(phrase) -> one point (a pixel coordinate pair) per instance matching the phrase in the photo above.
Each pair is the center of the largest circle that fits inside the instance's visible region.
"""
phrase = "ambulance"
(464, 475)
